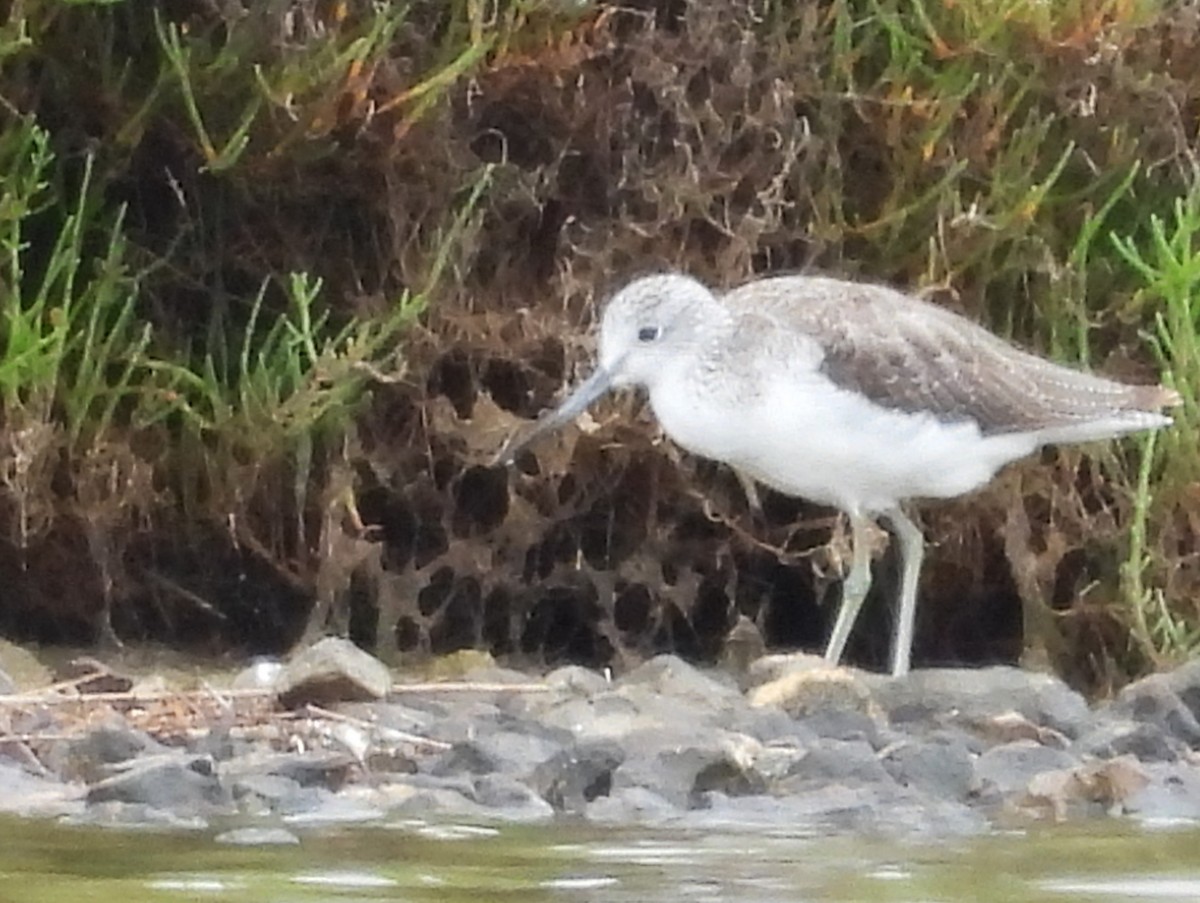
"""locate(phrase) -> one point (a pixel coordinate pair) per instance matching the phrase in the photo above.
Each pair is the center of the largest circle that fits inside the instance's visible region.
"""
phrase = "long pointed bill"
(587, 392)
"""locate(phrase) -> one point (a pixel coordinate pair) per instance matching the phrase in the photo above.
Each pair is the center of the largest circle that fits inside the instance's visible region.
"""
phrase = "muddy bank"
(333, 737)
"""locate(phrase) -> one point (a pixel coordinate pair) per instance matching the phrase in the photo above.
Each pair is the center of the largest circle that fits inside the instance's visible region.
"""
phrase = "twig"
(50, 696)
(392, 733)
(468, 687)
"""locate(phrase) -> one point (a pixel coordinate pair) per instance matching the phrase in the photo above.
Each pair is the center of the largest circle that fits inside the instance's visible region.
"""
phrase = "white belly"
(835, 447)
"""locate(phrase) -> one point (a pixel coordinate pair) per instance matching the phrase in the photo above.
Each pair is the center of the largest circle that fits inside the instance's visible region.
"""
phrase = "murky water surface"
(41, 861)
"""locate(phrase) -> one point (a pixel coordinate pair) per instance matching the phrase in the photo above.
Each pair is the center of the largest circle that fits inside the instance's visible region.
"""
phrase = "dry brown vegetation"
(507, 164)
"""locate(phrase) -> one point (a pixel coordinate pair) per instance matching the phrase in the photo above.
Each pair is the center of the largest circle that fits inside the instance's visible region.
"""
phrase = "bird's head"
(647, 326)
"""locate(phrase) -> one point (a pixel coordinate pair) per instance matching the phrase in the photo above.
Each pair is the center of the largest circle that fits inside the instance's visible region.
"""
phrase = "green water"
(41, 862)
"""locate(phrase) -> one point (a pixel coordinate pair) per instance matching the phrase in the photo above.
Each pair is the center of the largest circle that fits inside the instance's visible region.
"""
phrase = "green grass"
(1166, 259)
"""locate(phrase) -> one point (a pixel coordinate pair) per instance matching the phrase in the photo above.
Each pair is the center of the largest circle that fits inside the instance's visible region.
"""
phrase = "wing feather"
(910, 355)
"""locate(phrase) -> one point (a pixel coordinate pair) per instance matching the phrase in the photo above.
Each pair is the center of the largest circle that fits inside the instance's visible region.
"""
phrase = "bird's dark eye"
(648, 333)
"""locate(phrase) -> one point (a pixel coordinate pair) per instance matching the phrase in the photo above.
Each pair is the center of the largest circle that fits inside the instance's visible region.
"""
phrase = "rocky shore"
(332, 737)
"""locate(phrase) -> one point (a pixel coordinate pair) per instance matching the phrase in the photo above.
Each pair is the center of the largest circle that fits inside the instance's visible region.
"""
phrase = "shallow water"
(41, 862)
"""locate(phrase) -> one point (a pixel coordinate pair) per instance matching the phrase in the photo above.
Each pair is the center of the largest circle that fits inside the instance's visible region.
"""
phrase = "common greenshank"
(847, 394)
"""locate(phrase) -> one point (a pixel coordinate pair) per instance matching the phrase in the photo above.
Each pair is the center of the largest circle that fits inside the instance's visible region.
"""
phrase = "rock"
(1009, 768)
(22, 793)
(257, 837)
(1171, 794)
(577, 776)
(7, 685)
(1010, 726)
(577, 681)
(180, 784)
(113, 813)
(270, 794)
(1184, 682)
(680, 767)
(670, 677)
(851, 763)
(938, 696)
(260, 674)
(806, 691)
(1104, 786)
(1145, 740)
(463, 720)
(509, 751)
(631, 805)
(744, 645)
(941, 767)
(22, 668)
(91, 758)
(866, 809)
(1153, 700)
(412, 799)
(844, 724)
(330, 770)
(513, 800)
(90, 675)
(770, 668)
(330, 671)
(462, 758)
(335, 810)
(608, 715)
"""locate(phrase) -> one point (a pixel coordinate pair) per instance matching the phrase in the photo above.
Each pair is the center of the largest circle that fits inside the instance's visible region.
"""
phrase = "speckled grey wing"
(909, 355)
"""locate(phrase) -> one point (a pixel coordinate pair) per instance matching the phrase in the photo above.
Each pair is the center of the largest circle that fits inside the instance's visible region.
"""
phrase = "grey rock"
(632, 805)
(335, 810)
(807, 691)
(7, 685)
(616, 714)
(1184, 682)
(466, 719)
(331, 770)
(1009, 768)
(877, 809)
(516, 752)
(260, 674)
(91, 758)
(936, 695)
(332, 670)
(844, 724)
(257, 837)
(396, 715)
(769, 668)
(671, 677)
(942, 768)
(768, 725)
(514, 800)
(1145, 740)
(415, 799)
(1153, 700)
(177, 783)
(116, 814)
(462, 758)
(22, 793)
(847, 762)
(272, 794)
(1172, 794)
(680, 767)
(577, 680)
(218, 744)
(578, 775)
